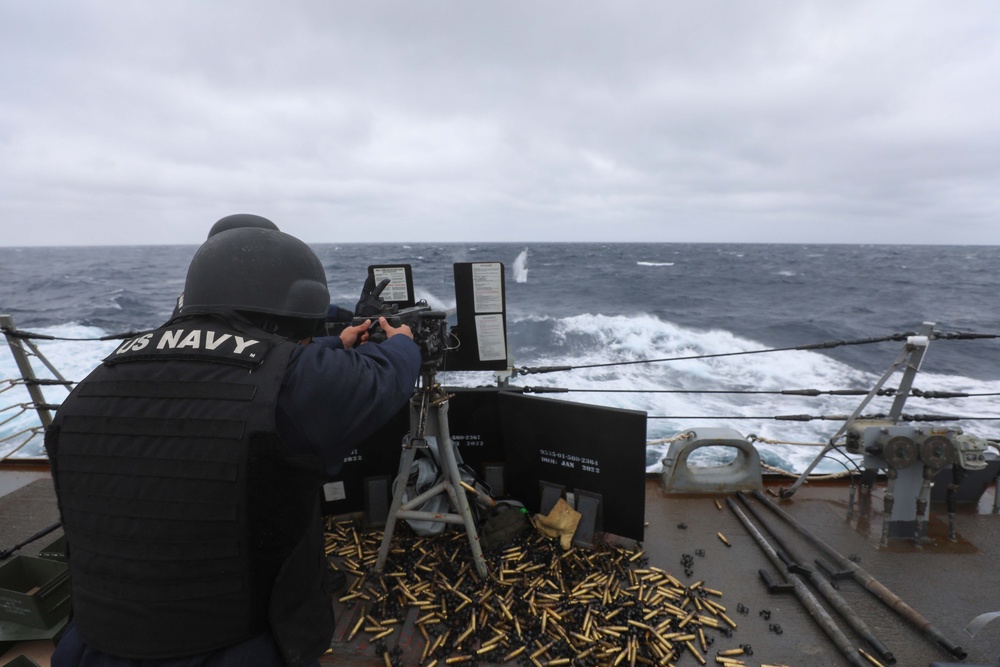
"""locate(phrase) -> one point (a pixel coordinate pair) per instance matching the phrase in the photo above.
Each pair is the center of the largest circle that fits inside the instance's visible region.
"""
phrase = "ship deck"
(948, 582)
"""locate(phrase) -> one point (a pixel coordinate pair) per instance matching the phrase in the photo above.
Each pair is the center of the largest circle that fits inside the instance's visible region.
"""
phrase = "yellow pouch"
(560, 522)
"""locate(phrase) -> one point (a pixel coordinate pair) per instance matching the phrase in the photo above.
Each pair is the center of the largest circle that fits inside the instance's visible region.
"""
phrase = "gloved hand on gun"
(371, 306)
(359, 334)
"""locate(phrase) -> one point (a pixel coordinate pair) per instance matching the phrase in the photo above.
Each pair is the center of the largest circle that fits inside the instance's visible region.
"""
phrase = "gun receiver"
(429, 327)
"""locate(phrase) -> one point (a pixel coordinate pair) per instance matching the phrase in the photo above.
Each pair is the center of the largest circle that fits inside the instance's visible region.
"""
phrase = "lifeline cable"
(825, 345)
(813, 346)
(30, 335)
(807, 418)
(885, 391)
(527, 370)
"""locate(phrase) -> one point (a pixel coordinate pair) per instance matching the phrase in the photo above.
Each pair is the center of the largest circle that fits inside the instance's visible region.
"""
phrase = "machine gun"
(477, 342)
(429, 327)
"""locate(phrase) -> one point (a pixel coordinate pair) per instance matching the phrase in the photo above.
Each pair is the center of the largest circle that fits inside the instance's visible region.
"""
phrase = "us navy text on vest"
(178, 339)
(218, 344)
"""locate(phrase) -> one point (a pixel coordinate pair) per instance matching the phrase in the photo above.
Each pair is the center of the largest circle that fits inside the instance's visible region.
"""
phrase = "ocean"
(608, 306)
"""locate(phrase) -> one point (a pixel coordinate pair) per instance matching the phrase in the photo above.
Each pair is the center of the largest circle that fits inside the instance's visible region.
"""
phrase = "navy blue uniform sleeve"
(332, 398)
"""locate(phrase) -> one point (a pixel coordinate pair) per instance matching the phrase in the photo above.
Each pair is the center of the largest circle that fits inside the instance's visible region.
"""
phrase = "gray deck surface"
(948, 583)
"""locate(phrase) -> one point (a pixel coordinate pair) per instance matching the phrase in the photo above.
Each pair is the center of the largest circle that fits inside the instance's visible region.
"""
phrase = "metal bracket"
(590, 506)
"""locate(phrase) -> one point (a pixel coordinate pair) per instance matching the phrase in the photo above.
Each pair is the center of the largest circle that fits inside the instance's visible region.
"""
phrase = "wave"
(654, 263)
(627, 362)
(606, 352)
(520, 267)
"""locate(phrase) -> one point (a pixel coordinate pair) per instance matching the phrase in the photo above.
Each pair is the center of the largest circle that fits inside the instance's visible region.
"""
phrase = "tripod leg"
(447, 449)
(405, 464)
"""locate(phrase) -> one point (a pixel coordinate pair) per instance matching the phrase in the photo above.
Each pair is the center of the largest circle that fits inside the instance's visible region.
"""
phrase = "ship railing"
(34, 372)
(23, 349)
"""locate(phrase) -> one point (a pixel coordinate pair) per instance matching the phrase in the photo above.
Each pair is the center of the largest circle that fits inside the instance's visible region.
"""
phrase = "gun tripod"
(429, 419)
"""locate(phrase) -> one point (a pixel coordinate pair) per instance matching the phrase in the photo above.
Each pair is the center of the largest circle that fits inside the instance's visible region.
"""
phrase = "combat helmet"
(237, 220)
(261, 273)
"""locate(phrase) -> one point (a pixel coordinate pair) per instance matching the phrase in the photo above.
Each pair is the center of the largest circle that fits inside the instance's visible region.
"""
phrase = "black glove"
(371, 304)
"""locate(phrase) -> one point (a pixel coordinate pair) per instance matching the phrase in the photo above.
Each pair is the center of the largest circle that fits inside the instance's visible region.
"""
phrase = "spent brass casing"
(427, 649)
(513, 654)
(461, 637)
(695, 653)
(357, 626)
(870, 658)
(730, 622)
(541, 650)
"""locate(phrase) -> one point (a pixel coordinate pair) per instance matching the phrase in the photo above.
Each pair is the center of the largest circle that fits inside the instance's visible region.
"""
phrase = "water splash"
(521, 267)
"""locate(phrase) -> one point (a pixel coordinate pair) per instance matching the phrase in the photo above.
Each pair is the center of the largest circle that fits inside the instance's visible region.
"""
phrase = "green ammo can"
(34, 591)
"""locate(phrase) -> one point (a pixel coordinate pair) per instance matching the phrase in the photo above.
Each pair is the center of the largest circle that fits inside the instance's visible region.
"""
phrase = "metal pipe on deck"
(824, 587)
(802, 592)
(869, 582)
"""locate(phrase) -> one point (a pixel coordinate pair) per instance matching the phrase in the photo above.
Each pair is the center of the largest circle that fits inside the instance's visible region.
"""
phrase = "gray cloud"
(516, 121)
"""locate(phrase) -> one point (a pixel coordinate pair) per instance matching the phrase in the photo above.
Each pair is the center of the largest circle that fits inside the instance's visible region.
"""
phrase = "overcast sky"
(125, 122)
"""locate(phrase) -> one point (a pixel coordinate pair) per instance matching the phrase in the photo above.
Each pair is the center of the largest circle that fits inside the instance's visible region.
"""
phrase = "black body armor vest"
(190, 526)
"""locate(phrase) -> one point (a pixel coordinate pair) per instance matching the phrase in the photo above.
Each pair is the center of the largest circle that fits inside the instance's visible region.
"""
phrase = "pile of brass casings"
(541, 606)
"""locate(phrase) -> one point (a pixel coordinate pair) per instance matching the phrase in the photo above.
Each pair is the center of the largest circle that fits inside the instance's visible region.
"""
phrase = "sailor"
(188, 465)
